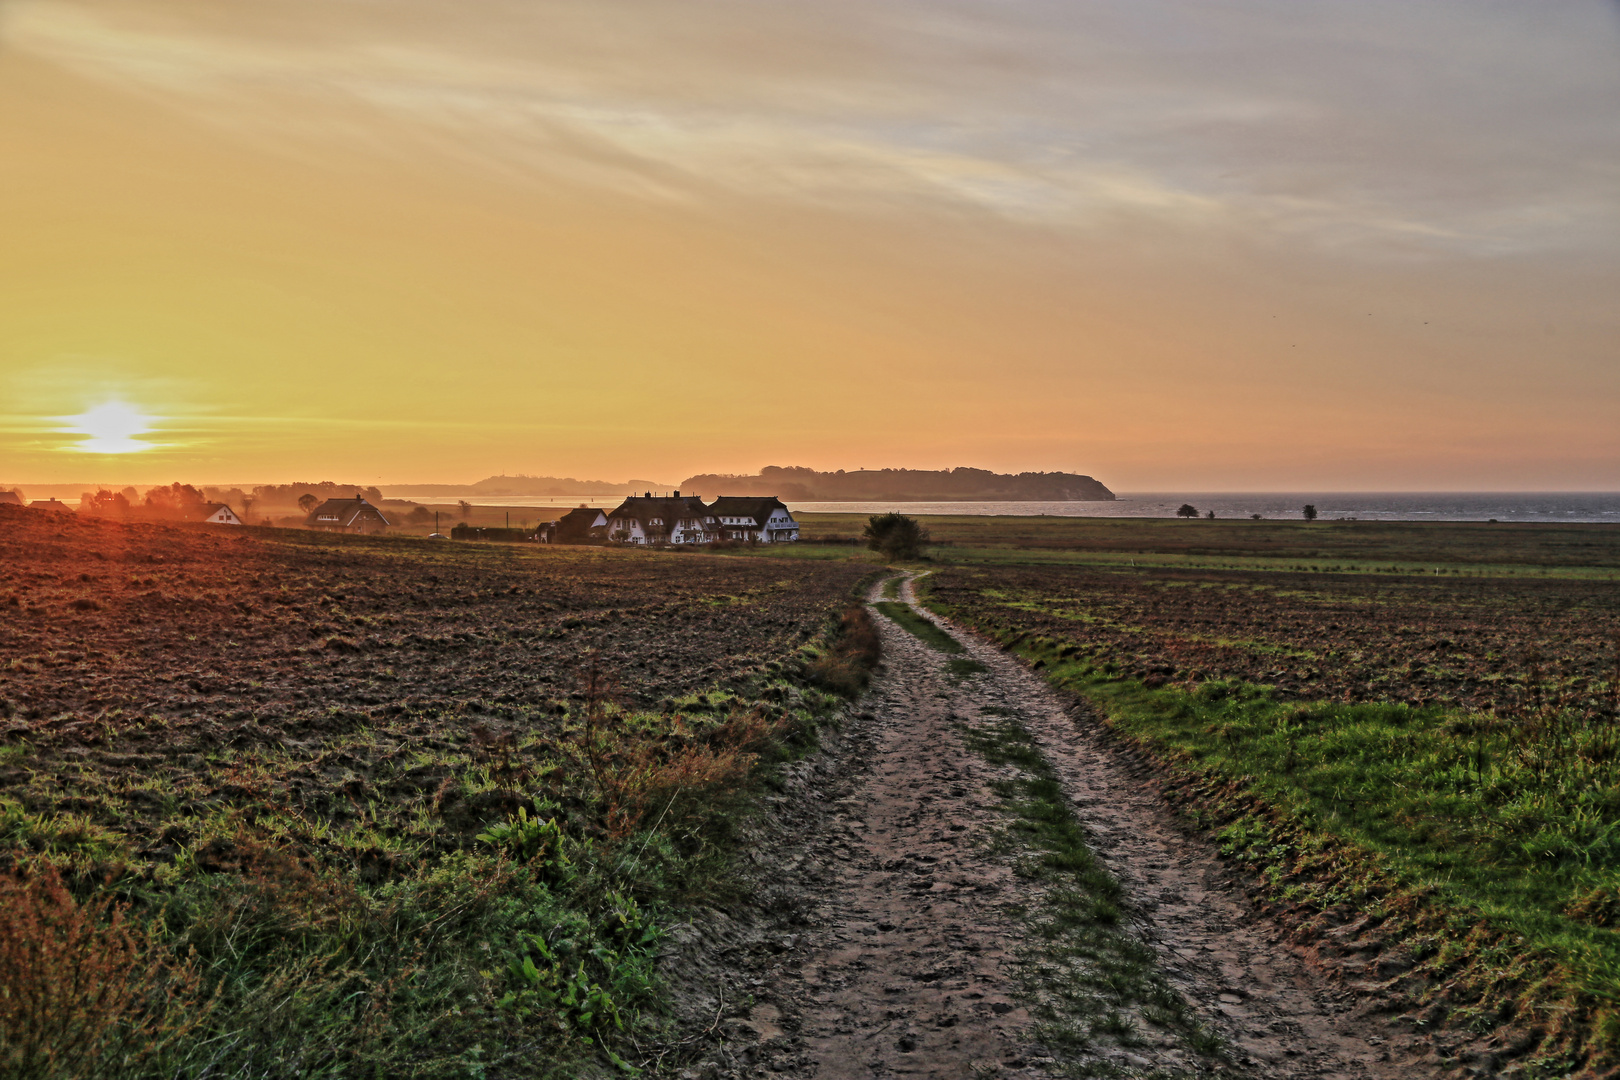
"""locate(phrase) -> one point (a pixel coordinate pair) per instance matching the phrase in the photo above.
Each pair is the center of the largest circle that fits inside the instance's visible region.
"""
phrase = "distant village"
(645, 520)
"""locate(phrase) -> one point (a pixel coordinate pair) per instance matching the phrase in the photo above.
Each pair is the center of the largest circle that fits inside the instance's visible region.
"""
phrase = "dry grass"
(853, 652)
(641, 773)
(83, 991)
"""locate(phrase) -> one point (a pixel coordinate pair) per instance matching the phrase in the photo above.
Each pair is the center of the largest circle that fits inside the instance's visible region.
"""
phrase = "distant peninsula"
(903, 485)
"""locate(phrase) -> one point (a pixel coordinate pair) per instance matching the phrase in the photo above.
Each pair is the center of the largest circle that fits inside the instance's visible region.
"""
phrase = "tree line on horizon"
(179, 501)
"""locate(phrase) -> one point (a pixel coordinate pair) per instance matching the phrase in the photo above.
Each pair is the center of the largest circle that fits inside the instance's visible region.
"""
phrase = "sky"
(1174, 244)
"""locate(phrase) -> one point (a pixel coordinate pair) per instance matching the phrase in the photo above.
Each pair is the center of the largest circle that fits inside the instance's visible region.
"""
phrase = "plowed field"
(152, 674)
(1352, 637)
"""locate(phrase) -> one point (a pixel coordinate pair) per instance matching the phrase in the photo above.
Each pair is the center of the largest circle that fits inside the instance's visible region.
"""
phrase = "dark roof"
(10, 498)
(345, 510)
(581, 514)
(643, 507)
(755, 507)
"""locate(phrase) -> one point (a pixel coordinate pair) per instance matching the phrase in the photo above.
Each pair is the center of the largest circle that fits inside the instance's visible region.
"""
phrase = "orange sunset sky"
(1189, 244)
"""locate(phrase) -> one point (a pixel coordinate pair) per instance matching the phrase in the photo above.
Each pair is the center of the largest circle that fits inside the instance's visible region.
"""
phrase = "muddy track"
(891, 936)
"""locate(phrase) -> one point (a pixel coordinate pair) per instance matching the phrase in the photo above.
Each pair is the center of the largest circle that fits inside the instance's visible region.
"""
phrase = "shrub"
(895, 536)
(854, 650)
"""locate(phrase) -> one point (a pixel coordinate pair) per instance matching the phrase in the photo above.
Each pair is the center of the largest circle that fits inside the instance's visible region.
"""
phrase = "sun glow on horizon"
(111, 428)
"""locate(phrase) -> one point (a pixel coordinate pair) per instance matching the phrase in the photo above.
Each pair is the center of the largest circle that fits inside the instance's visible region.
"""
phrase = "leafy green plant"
(540, 843)
(584, 977)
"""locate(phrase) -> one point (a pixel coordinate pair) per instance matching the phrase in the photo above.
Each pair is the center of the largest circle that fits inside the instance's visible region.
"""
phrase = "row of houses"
(679, 519)
(646, 519)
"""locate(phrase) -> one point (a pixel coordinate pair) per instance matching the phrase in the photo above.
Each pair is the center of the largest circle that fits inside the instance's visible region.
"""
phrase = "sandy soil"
(886, 937)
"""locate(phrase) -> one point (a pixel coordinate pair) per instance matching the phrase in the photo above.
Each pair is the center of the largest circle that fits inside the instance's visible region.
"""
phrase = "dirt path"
(903, 934)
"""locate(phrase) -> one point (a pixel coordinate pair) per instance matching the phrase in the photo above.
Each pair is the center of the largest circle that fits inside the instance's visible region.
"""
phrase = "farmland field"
(360, 798)
(1405, 547)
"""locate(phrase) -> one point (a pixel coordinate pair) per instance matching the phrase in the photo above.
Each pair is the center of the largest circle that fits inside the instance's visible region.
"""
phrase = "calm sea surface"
(1363, 506)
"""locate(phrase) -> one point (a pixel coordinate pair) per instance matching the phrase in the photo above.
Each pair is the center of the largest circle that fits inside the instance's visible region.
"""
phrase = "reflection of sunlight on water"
(110, 428)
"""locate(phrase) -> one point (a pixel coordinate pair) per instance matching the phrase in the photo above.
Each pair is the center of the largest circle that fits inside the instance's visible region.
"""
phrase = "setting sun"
(111, 428)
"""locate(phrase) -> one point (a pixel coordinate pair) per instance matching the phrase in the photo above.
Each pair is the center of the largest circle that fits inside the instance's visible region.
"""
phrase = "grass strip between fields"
(920, 627)
(1090, 983)
(1488, 869)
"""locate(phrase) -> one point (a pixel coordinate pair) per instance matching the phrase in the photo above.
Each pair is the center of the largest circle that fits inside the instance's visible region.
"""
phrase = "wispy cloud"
(1060, 114)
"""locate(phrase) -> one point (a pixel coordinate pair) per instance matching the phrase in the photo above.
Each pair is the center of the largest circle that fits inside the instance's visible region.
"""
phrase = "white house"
(763, 519)
(648, 519)
(216, 514)
(677, 519)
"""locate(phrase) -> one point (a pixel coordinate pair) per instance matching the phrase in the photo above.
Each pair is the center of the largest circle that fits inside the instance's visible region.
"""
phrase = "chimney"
(677, 495)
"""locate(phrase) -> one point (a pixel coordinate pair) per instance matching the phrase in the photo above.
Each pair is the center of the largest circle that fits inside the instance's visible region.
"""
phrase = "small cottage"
(51, 504)
(354, 515)
(10, 498)
(762, 519)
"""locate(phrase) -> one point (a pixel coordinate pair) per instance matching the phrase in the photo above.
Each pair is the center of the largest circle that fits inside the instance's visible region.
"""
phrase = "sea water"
(1359, 506)
(1362, 506)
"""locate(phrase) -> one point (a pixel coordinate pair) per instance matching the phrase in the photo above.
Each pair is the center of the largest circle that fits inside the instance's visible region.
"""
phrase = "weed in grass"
(538, 841)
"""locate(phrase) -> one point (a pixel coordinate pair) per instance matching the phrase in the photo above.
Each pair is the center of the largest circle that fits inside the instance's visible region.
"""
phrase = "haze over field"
(1231, 245)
